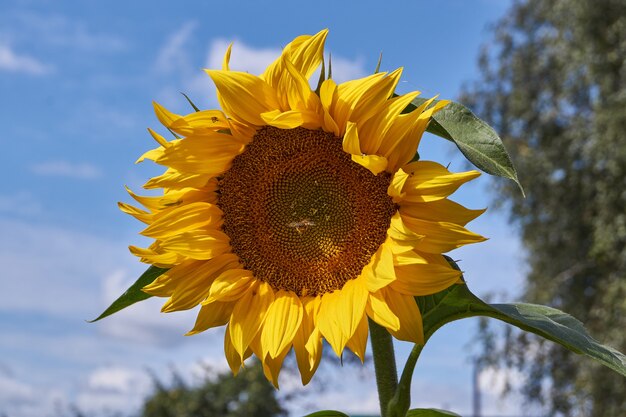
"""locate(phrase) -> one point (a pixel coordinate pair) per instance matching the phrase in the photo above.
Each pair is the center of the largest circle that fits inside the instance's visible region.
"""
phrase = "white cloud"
(492, 383)
(21, 203)
(172, 55)
(11, 61)
(54, 271)
(19, 398)
(114, 388)
(80, 170)
(59, 31)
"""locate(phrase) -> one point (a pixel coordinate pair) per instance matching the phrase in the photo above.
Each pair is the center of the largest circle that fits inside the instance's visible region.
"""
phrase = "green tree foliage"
(554, 86)
(248, 394)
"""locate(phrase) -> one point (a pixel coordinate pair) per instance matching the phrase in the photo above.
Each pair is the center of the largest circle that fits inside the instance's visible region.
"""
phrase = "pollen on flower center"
(300, 214)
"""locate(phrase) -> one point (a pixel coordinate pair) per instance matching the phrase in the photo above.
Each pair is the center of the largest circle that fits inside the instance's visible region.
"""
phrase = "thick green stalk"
(401, 401)
(384, 365)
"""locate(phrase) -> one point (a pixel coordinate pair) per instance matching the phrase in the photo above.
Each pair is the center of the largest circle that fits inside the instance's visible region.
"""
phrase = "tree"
(554, 86)
(248, 394)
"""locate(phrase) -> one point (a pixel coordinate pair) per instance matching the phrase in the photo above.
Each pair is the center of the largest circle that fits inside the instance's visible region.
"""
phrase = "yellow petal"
(281, 324)
(376, 164)
(314, 346)
(358, 342)
(165, 284)
(380, 271)
(182, 219)
(378, 310)
(160, 259)
(141, 215)
(351, 143)
(202, 155)
(272, 366)
(328, 91)
(328, 322)
(172, 179)
(305, 53)
(405, 308)
(430, 181)
(201, 123)
(152, 154)
(295, 87)
(230, 285)
(197, 244)
(439, 210)
(249, 314)
(396, 186)
(304, 358)
(440, 237)
(424, 279)
(158, 138)
(233, 357)
(348, 96)
(171, 199)
(283, 120)
(212, 315)
(194, 284)
(244, 96)
(351, 305)
(402, 234)
(372, 101)
(376, 130)
(226, 61)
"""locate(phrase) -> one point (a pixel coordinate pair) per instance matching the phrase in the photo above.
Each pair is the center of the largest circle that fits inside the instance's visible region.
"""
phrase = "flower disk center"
(300, 214)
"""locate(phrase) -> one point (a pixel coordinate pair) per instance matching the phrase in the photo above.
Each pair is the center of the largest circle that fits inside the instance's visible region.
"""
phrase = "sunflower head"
(292, 215)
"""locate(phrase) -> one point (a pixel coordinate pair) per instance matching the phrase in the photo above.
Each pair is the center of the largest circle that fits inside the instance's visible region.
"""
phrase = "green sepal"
(430, 412)
(190, 102)
(133, 294)
(173, 133)
(476, 140)
(380, 60)
(327, 413)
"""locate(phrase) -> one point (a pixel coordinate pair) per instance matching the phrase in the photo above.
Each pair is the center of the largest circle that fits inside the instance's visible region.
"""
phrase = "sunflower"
(292, 215)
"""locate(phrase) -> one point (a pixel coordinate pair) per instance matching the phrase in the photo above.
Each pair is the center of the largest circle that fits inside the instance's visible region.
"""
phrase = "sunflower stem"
(384, 365)
(401, 401)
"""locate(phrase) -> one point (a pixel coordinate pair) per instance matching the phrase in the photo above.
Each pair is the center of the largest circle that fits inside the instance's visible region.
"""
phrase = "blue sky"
(77, 80)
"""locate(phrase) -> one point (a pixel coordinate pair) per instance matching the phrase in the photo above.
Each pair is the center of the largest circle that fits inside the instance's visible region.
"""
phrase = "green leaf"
(430, 412)
(561, 328)
(133, 294)
(476, 140)
(327, 413)
(457, 302)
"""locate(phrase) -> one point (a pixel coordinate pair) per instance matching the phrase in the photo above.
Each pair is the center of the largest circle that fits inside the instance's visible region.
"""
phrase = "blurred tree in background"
(247, 395)
(554, 86)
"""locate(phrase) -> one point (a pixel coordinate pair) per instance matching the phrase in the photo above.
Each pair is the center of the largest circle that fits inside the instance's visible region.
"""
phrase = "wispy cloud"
(80, 170)
(11, 61)
(114, 388)
(21, 398)
(21, 203)
(173, 54)
(59, 31)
